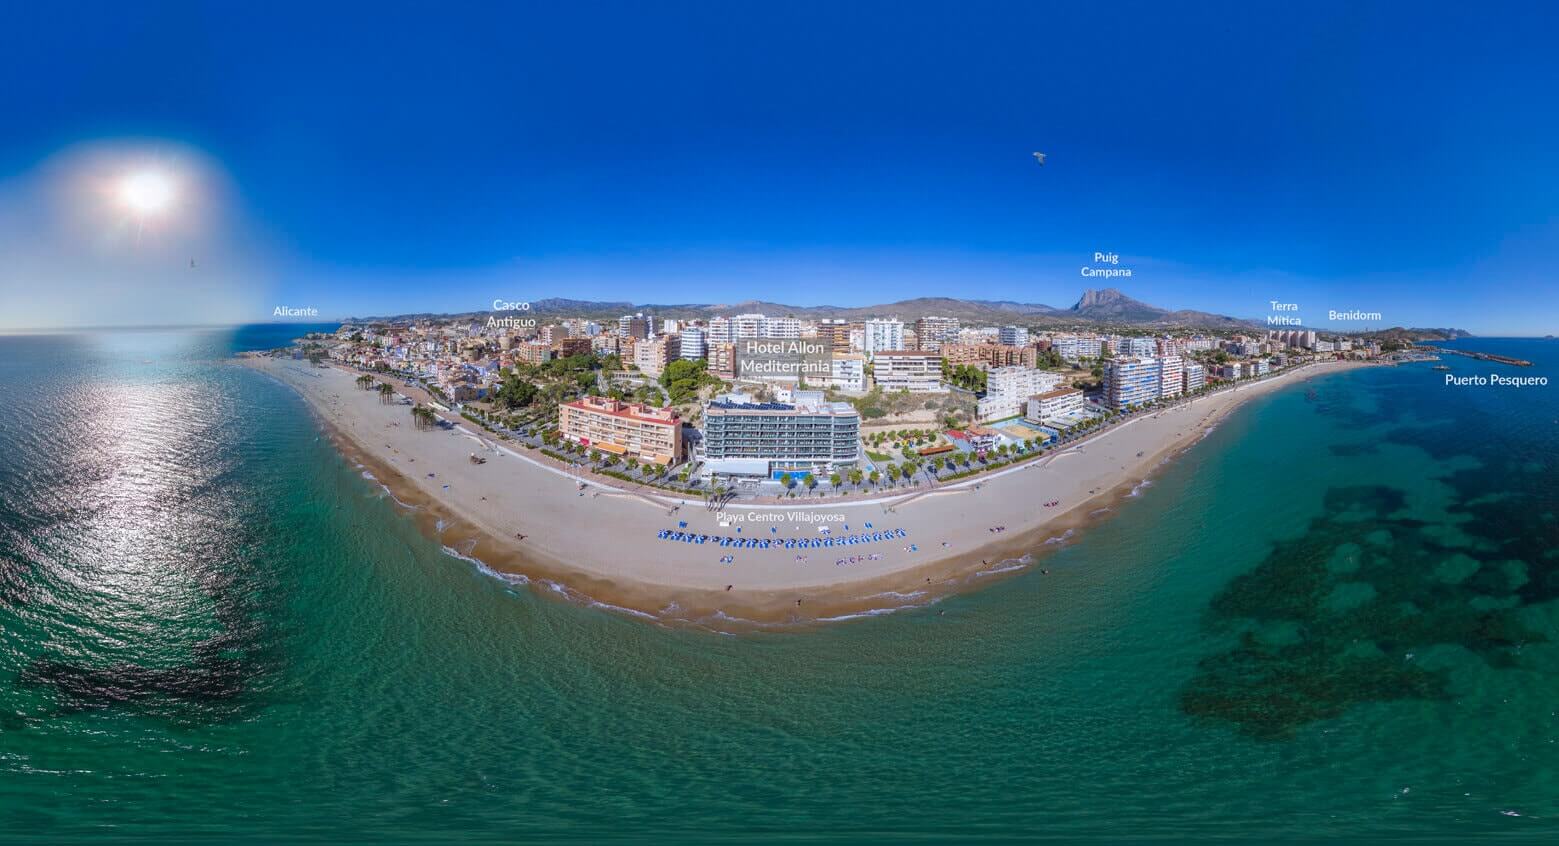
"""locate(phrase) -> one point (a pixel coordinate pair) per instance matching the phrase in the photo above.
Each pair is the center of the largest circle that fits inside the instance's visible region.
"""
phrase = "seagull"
(1040, 157)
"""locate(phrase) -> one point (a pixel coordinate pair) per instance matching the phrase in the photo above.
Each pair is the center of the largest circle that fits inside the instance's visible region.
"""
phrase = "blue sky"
(389, 157)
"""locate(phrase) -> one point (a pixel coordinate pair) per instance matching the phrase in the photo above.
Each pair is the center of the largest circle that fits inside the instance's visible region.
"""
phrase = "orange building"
(653, 434)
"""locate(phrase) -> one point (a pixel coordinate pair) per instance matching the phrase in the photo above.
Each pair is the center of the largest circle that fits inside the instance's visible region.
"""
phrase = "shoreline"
(475, 512)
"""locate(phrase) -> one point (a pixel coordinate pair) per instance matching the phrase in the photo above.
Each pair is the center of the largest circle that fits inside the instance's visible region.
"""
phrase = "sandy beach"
(598, 544)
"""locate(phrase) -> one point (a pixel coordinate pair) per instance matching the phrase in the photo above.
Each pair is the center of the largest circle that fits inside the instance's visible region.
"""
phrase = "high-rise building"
(781, 327)
(1171, 378)
(633, 326)
(836, 333)
(1138, 347)
(1013, 336)
(883, 336)
(764, 439)
(720, 331)
(722, 360)
(747, 326)
(1130, 382)
(651, 357)
(1193, 377)
(566, 347)
(932, 332)
(692, 343)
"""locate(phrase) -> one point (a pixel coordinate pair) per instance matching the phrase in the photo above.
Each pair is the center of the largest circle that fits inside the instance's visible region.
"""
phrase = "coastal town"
(759, 405)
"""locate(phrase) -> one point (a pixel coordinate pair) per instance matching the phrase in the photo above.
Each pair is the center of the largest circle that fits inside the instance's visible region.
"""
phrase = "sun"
(146, 191)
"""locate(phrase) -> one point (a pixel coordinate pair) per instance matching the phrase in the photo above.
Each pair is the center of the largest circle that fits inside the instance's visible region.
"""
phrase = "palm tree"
(364, 381)
(784, 480)
(855, 476)
(809, 481)
(385, 393)
(875, 476)
(833, 480)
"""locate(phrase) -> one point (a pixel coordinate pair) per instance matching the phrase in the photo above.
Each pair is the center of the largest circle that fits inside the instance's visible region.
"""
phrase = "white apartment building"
(720, 331)
(1054, 406)
(1193, 377)
(1073, 348)
(1013, 336)
(848, 373)
(882, 336)
(1171, 377)
(694, 343)
(1130, 382)
(1007, 390)
(1138, 347)
(916, 372)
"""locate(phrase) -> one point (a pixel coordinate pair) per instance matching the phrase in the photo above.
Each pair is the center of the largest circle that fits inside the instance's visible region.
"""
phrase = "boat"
(1439, 367)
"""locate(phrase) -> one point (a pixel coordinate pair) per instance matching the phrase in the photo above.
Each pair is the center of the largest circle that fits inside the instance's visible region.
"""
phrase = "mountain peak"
(1106, 297)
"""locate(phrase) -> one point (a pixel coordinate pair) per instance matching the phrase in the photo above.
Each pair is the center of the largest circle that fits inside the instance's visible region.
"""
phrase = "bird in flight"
(1040, 157)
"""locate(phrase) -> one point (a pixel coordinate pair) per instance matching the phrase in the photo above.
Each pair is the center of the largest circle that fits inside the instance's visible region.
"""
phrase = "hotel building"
(652, 434)
(764, 439)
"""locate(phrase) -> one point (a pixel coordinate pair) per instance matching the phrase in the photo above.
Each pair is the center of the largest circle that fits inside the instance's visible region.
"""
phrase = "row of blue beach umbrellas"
(788, 543)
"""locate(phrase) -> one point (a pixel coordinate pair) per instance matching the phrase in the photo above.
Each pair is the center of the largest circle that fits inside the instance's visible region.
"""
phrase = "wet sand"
(597, 544)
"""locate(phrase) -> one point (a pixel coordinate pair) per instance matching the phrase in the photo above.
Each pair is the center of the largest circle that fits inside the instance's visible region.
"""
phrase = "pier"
(1502, 359)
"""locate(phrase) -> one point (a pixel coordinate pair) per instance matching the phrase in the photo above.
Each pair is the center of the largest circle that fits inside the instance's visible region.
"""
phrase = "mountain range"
(1095, 308)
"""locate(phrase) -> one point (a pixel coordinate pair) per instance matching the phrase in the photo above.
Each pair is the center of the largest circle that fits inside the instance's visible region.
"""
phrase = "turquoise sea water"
(1335, 618)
